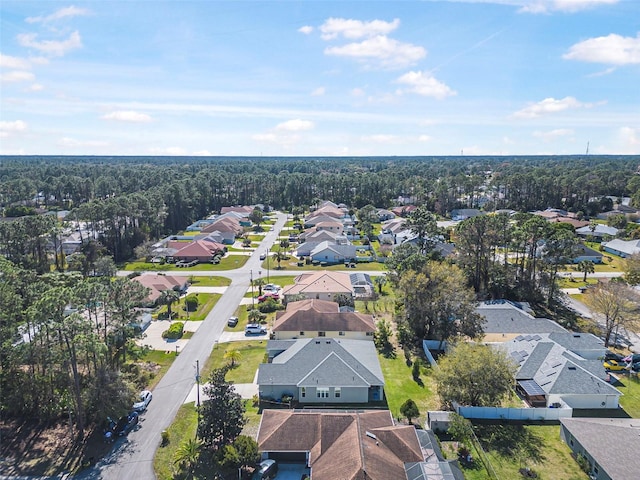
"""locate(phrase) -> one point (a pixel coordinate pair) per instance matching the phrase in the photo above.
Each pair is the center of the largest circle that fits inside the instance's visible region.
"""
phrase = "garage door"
(289, 457)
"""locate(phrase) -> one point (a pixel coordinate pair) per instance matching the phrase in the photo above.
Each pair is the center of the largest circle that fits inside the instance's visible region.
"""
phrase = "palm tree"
(259, 282)
(380, 281)
(187, 455)
(233, 356)
(278, 257)
(254, 315)
(586, 266)
(168, 297)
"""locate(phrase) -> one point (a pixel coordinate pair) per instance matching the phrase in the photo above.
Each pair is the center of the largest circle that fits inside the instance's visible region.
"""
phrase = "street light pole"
(252, 298)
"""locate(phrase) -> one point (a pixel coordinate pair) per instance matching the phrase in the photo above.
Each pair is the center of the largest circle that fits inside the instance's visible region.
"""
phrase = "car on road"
(232, 322)
(255, 329)
(263, 256)
(615, 366)
(126, 423)
(266, 470)
(143, 402)
(271, 287)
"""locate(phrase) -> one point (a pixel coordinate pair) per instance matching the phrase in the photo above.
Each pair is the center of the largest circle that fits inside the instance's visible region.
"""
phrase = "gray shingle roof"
(507, 318)
(324, 361)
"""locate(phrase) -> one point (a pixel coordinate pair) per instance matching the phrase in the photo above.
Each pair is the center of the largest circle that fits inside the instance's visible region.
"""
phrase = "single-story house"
(597, 231)
(584, 253)
(323, 285)
(226, 224)
(321, 318)
(353, 445)
(464, 213)
(322, 370)
(574, 222)
(332, 253)
(312, 221)
(318, 236)
(335, 227)
(384, 215)
(403, 210)
(158, 282)
(245, 210)
(551, 373)
(591, 437)
(328, 209)
(505, 321)
(198, 250)
(622, 248)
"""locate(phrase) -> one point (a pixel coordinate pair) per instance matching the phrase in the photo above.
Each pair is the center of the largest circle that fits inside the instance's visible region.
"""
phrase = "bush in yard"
(415, 370)
(175, 331)
(269, 306)
(409, 409)
(191, 303)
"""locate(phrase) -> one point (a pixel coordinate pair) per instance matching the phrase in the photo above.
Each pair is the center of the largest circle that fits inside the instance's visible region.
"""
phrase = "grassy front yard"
(251, 355)
(211, 281)
(228, 262)
(206, 301)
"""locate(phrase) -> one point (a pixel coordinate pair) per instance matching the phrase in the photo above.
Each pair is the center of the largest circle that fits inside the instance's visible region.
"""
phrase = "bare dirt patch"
(35, 449)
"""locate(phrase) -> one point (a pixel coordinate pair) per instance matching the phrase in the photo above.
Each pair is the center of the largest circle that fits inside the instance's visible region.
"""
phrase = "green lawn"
(183, 427)
(629, 385)
(551, 458)
(211, 281)
(228, 262)
(292, 265)
(206, 301)
(400, 386)
(251, 355)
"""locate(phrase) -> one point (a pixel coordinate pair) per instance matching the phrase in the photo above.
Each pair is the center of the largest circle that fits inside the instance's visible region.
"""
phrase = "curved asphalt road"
(132, 457)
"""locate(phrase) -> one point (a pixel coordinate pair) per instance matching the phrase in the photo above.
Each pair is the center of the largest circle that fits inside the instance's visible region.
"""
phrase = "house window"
(302, 334)
(322, 334)
(341, 334)
(322, 392)
(303, 392)
(337, 392)
(369, 334)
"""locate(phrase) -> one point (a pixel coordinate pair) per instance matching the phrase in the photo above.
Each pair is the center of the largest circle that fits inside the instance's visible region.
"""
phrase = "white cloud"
(380, 138)
(423, 83)
(36, 87)
(17, 63)
(553, 134)
(265, 137)
(10, 128)
(65, 12)
(51, 47)
(569, 6)
(296, 125)
(73, 143)
(381, 51)
(127, 116)
(318, 92)
(549, 106)
(357, 92)
(612, 49)
(307, 29)
(352, 29)
(17, 76)
(424, 138)
(172, 151)
(631, 137)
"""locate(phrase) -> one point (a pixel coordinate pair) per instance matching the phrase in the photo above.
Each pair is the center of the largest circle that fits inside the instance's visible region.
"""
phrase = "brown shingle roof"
(307, 315)
(358, 445)
(156, 283)
(320, 282)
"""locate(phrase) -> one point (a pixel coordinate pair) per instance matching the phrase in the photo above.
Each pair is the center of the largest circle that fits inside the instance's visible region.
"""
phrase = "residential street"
(132, 457)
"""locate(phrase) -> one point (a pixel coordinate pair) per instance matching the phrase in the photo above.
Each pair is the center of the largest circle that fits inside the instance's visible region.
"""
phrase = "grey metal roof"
(329, 360)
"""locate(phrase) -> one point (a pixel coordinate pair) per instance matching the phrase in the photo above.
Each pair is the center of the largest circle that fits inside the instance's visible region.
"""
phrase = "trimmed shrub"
(191, 303)
(175, 331)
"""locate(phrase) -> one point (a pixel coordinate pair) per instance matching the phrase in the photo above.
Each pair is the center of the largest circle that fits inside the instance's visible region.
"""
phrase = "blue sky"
(479, 77)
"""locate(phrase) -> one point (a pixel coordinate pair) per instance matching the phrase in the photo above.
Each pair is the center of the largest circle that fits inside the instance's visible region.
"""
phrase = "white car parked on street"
(145, 398)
